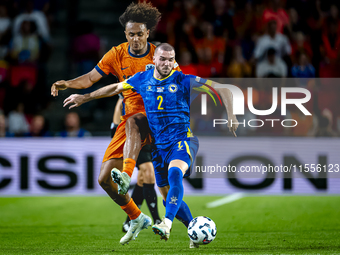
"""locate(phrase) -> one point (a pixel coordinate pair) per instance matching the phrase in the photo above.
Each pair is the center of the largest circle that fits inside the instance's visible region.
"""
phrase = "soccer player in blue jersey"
(167, 95)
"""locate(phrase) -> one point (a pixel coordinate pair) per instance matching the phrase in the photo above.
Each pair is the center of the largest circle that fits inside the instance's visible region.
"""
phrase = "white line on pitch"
(225, 200)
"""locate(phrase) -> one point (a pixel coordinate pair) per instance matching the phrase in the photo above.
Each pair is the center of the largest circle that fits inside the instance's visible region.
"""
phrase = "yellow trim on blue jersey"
(189, 133)
(126, 85)
(165, 77)
(188, 150)
(208, 82)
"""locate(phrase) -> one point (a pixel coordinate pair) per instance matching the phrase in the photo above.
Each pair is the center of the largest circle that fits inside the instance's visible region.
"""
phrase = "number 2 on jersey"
(160, 98)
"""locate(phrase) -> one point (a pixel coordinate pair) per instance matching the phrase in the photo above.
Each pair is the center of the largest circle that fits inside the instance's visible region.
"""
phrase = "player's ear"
(147, 33)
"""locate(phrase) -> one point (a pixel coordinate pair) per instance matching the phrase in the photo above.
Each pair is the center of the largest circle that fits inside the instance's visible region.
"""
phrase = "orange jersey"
(120, 62)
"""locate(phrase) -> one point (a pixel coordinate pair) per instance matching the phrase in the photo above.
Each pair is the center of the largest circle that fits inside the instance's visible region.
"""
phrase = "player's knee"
(102, 180)
(148, 172)
(175, 175)
(140, 181)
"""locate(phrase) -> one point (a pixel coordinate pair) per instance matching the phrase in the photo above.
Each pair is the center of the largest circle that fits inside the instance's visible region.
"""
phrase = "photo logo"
(238, 100)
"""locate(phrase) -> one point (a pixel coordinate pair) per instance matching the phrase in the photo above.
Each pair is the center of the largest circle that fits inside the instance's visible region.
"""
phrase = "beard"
(162, 72)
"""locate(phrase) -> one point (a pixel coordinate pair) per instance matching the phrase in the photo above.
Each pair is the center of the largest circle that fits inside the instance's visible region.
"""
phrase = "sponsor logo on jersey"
(149, 67)
(173, 88)
(180, 146)
(160, 89)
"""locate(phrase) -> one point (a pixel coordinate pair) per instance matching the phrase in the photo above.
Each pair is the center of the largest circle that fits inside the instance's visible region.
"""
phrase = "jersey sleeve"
(197, 83)
(108, 64)
(133, 83)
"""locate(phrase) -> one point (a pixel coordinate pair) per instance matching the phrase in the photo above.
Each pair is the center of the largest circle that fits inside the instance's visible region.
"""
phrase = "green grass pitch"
(92, 225)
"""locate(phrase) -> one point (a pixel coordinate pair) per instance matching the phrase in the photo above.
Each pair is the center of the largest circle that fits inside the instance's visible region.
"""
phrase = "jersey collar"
(139, 56)
(163, 78)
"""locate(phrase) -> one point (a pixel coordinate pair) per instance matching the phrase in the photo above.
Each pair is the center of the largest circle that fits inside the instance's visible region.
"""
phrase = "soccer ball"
(202, 230)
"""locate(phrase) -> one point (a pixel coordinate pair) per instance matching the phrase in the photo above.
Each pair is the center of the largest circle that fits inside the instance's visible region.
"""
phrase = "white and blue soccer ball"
(202, 230)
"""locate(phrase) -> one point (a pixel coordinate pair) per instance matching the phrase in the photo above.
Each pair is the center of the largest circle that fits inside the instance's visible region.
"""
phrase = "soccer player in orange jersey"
(124, 61)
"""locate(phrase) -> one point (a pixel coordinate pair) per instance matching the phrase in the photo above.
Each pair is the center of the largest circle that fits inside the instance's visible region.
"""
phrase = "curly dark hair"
(141, 13)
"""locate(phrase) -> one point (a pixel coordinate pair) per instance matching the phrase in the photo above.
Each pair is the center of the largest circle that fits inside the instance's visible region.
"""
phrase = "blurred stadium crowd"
(218, 38)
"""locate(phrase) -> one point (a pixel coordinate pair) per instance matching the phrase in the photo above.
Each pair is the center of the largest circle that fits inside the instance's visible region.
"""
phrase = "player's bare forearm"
(81, 82)
(107, 91)
(76, 100)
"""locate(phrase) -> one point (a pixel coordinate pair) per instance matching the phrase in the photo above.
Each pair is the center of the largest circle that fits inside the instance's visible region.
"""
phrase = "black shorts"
(144, 155)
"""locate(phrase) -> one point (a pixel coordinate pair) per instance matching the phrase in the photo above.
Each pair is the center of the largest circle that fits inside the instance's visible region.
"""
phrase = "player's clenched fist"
(74, 100)
(59, 85)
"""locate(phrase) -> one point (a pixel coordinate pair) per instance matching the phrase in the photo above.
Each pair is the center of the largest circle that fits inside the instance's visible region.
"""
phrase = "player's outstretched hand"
(59, 85)
(233, 125)
(74, 100)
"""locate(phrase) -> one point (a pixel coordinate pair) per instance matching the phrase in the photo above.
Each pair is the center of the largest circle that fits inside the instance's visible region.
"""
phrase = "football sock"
(151, 200)
(183, 214)
(128, 166)
(137, 196)
(175, 194)
(131, 209)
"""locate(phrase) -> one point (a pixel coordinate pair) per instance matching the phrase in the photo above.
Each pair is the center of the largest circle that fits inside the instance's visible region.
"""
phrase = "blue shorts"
(185, 150)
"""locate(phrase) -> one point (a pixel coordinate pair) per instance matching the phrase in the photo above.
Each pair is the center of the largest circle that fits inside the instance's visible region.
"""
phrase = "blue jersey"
(167, 104)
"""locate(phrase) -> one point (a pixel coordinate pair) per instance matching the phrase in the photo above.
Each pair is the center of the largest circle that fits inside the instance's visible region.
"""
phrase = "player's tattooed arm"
(76, 100)
(81, 82)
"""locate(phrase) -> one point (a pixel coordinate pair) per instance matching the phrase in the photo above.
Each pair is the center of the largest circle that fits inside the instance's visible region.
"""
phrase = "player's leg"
(181, 156)
(108, 185)
(112, 159)
(136, 130)
(139, 221)
(149, 189)
(145, 187)
(177, 169)
(145, 166)
(184, 214)
(174, 197)
(137, 196)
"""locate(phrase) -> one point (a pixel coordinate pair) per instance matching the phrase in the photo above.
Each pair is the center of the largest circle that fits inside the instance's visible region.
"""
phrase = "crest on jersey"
(149, 88)
(173, 88)
(149, 67)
